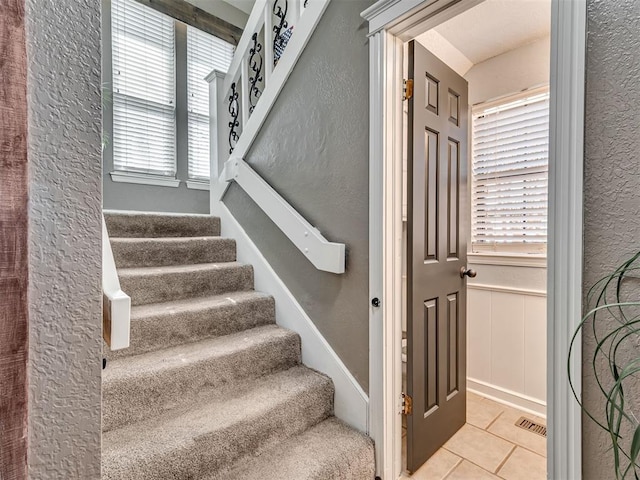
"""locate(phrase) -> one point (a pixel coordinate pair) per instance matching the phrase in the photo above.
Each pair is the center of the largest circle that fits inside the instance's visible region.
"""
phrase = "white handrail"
(323, 254)
(262, 16)
(116, 311)
(302, 31)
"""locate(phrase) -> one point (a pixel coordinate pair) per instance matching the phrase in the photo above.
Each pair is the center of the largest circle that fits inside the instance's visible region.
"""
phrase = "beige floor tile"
(438, 466)
(479, 447)
(469, 471)
(524, 465)
(514, 414)
(505, 427)
(474, 396)
(481, 412)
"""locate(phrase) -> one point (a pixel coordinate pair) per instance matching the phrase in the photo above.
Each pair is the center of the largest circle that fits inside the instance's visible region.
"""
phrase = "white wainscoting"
(506, 344)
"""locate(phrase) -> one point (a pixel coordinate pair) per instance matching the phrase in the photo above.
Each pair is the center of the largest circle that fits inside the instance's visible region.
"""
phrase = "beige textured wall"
(612, 179)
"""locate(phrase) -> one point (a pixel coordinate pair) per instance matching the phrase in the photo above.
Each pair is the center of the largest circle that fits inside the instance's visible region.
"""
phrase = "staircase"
(210, 387)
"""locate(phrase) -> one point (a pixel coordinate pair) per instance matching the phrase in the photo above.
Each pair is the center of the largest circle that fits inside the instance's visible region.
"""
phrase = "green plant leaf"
(635, 444)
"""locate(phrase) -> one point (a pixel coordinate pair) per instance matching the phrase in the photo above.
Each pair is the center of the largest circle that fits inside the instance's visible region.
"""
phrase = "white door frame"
(391, 22)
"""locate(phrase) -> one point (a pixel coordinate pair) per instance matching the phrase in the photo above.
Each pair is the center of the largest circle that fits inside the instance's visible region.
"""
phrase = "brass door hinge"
(408, 89)
(407, 404)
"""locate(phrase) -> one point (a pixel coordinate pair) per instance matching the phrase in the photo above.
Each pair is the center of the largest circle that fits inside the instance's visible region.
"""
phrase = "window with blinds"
(143, 89)
(204, 54)
(510, 165)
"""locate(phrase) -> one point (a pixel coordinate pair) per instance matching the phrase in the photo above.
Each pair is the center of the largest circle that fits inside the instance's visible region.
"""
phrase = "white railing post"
(268, 42)
(116, 313)
(295, 13)
(218, 127)
(244, 96)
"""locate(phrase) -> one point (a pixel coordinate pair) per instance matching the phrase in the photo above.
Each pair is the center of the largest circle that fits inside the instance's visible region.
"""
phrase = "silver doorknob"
(469, 272)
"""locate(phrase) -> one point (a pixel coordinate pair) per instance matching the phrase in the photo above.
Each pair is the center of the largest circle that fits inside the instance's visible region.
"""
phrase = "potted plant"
(613, 320)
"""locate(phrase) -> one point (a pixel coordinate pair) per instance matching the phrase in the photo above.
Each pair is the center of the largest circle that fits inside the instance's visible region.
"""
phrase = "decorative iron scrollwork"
(281, 13)
(255, 64)
(234, 111)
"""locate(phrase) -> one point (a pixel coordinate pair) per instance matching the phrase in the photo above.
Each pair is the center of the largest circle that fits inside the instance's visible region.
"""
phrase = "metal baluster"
(234, 111)
(255, 65)
(280, 8)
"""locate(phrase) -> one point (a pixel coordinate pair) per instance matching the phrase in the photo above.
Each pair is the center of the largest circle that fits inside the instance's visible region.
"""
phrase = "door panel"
(436, 251)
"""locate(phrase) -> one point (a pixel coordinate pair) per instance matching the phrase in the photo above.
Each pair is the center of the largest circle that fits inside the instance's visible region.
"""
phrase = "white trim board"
(350, 402)
(198, 185)
(394, 20)
(507, 260)
(564, 275)
(507, 397)
(145, 179)
(501, 289)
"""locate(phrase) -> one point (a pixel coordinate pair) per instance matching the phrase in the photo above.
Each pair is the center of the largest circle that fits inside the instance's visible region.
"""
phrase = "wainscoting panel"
(506, 345)
(535, 347)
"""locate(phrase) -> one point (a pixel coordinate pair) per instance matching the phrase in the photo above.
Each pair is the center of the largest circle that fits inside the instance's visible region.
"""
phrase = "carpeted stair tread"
(162, 325)
(210, 387)
(227, 424)
(146, 385)
(149, 252)
(330, 450)
(148, 224)
(163, 284)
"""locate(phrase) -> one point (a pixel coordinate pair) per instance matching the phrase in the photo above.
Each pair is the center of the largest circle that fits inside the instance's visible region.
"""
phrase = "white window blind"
(510, 165)
(204, 54)
(143, 89)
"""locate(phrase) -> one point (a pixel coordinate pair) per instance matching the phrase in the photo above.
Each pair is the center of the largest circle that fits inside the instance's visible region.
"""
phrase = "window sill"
(198, 185)
(508, 259)
(144, 179)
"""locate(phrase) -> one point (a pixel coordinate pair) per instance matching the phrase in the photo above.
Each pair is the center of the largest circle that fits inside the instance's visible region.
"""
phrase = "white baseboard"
(508, 397)
(351, 402)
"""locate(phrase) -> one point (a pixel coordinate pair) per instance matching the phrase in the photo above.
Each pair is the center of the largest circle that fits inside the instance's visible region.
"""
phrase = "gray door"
(436, 254)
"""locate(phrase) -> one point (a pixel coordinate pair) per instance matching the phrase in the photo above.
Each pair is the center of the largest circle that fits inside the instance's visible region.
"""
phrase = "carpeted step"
(228, 424)
(143, 224)
(163, 284)
(329, 451)
(163, 325)
(146, 385)
(152, 252)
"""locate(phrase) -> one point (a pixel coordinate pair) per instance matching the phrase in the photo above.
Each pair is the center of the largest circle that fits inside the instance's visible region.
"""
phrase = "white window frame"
(501, 249)
(132, 175)
(181, 128)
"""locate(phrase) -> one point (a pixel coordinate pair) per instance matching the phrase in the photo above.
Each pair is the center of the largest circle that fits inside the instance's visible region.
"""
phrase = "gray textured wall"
(612, 178)
(313, 149)
(65, 346)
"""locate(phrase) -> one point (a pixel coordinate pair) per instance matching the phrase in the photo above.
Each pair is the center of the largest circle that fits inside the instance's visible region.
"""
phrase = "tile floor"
(488, 447)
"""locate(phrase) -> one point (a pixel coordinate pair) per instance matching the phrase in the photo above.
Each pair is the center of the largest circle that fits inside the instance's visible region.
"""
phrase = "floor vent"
(532, 426)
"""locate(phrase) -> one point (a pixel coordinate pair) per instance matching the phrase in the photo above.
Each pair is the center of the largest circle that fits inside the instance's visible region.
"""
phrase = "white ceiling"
(235, 12)
(244, 5)
(492, 28)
